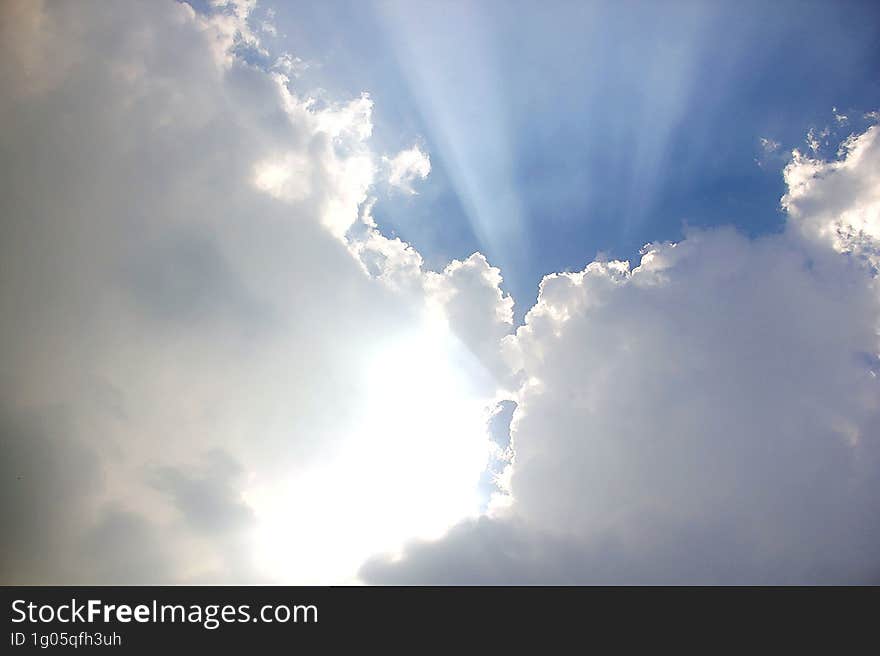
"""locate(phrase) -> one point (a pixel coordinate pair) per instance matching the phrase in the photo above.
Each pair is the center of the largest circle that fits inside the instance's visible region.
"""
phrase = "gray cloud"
(122, 548)
(42, 474)
(208, 500)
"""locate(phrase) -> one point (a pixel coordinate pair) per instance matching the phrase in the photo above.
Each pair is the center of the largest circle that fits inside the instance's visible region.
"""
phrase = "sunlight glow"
(410, 471)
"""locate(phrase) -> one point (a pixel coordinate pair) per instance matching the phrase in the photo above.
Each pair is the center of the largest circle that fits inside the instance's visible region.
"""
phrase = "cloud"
(406, 167)
(838, 201)
(769, 145)
(816, 140)
(770, 153)
(217, 368)
(185, 289)
(478, 311)
(711, 416)
(42, 476)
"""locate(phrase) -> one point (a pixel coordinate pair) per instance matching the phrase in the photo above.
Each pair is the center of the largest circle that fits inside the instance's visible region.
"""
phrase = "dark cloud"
(209, 498)
(46, 480)
(124, 548)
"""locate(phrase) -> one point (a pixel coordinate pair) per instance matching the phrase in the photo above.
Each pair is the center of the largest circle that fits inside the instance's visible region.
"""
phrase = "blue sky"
(560, 130)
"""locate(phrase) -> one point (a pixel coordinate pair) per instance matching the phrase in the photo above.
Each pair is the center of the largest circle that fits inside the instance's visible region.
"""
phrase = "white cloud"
(816, 139)
(211, 351)
(839, 201)
(479, 313)
(290, 65)
(195, 355)
(769, 145)
(712, 415)
(406, 167)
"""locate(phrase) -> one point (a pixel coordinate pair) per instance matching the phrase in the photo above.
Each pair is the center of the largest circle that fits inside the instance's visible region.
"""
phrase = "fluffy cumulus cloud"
(406, 167)
(209, 374)
(839, 201)
(712, 415)
(217, 368)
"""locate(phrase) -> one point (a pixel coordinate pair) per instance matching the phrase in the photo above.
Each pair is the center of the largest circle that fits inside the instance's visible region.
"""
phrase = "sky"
(466, 292)
(602, 125)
